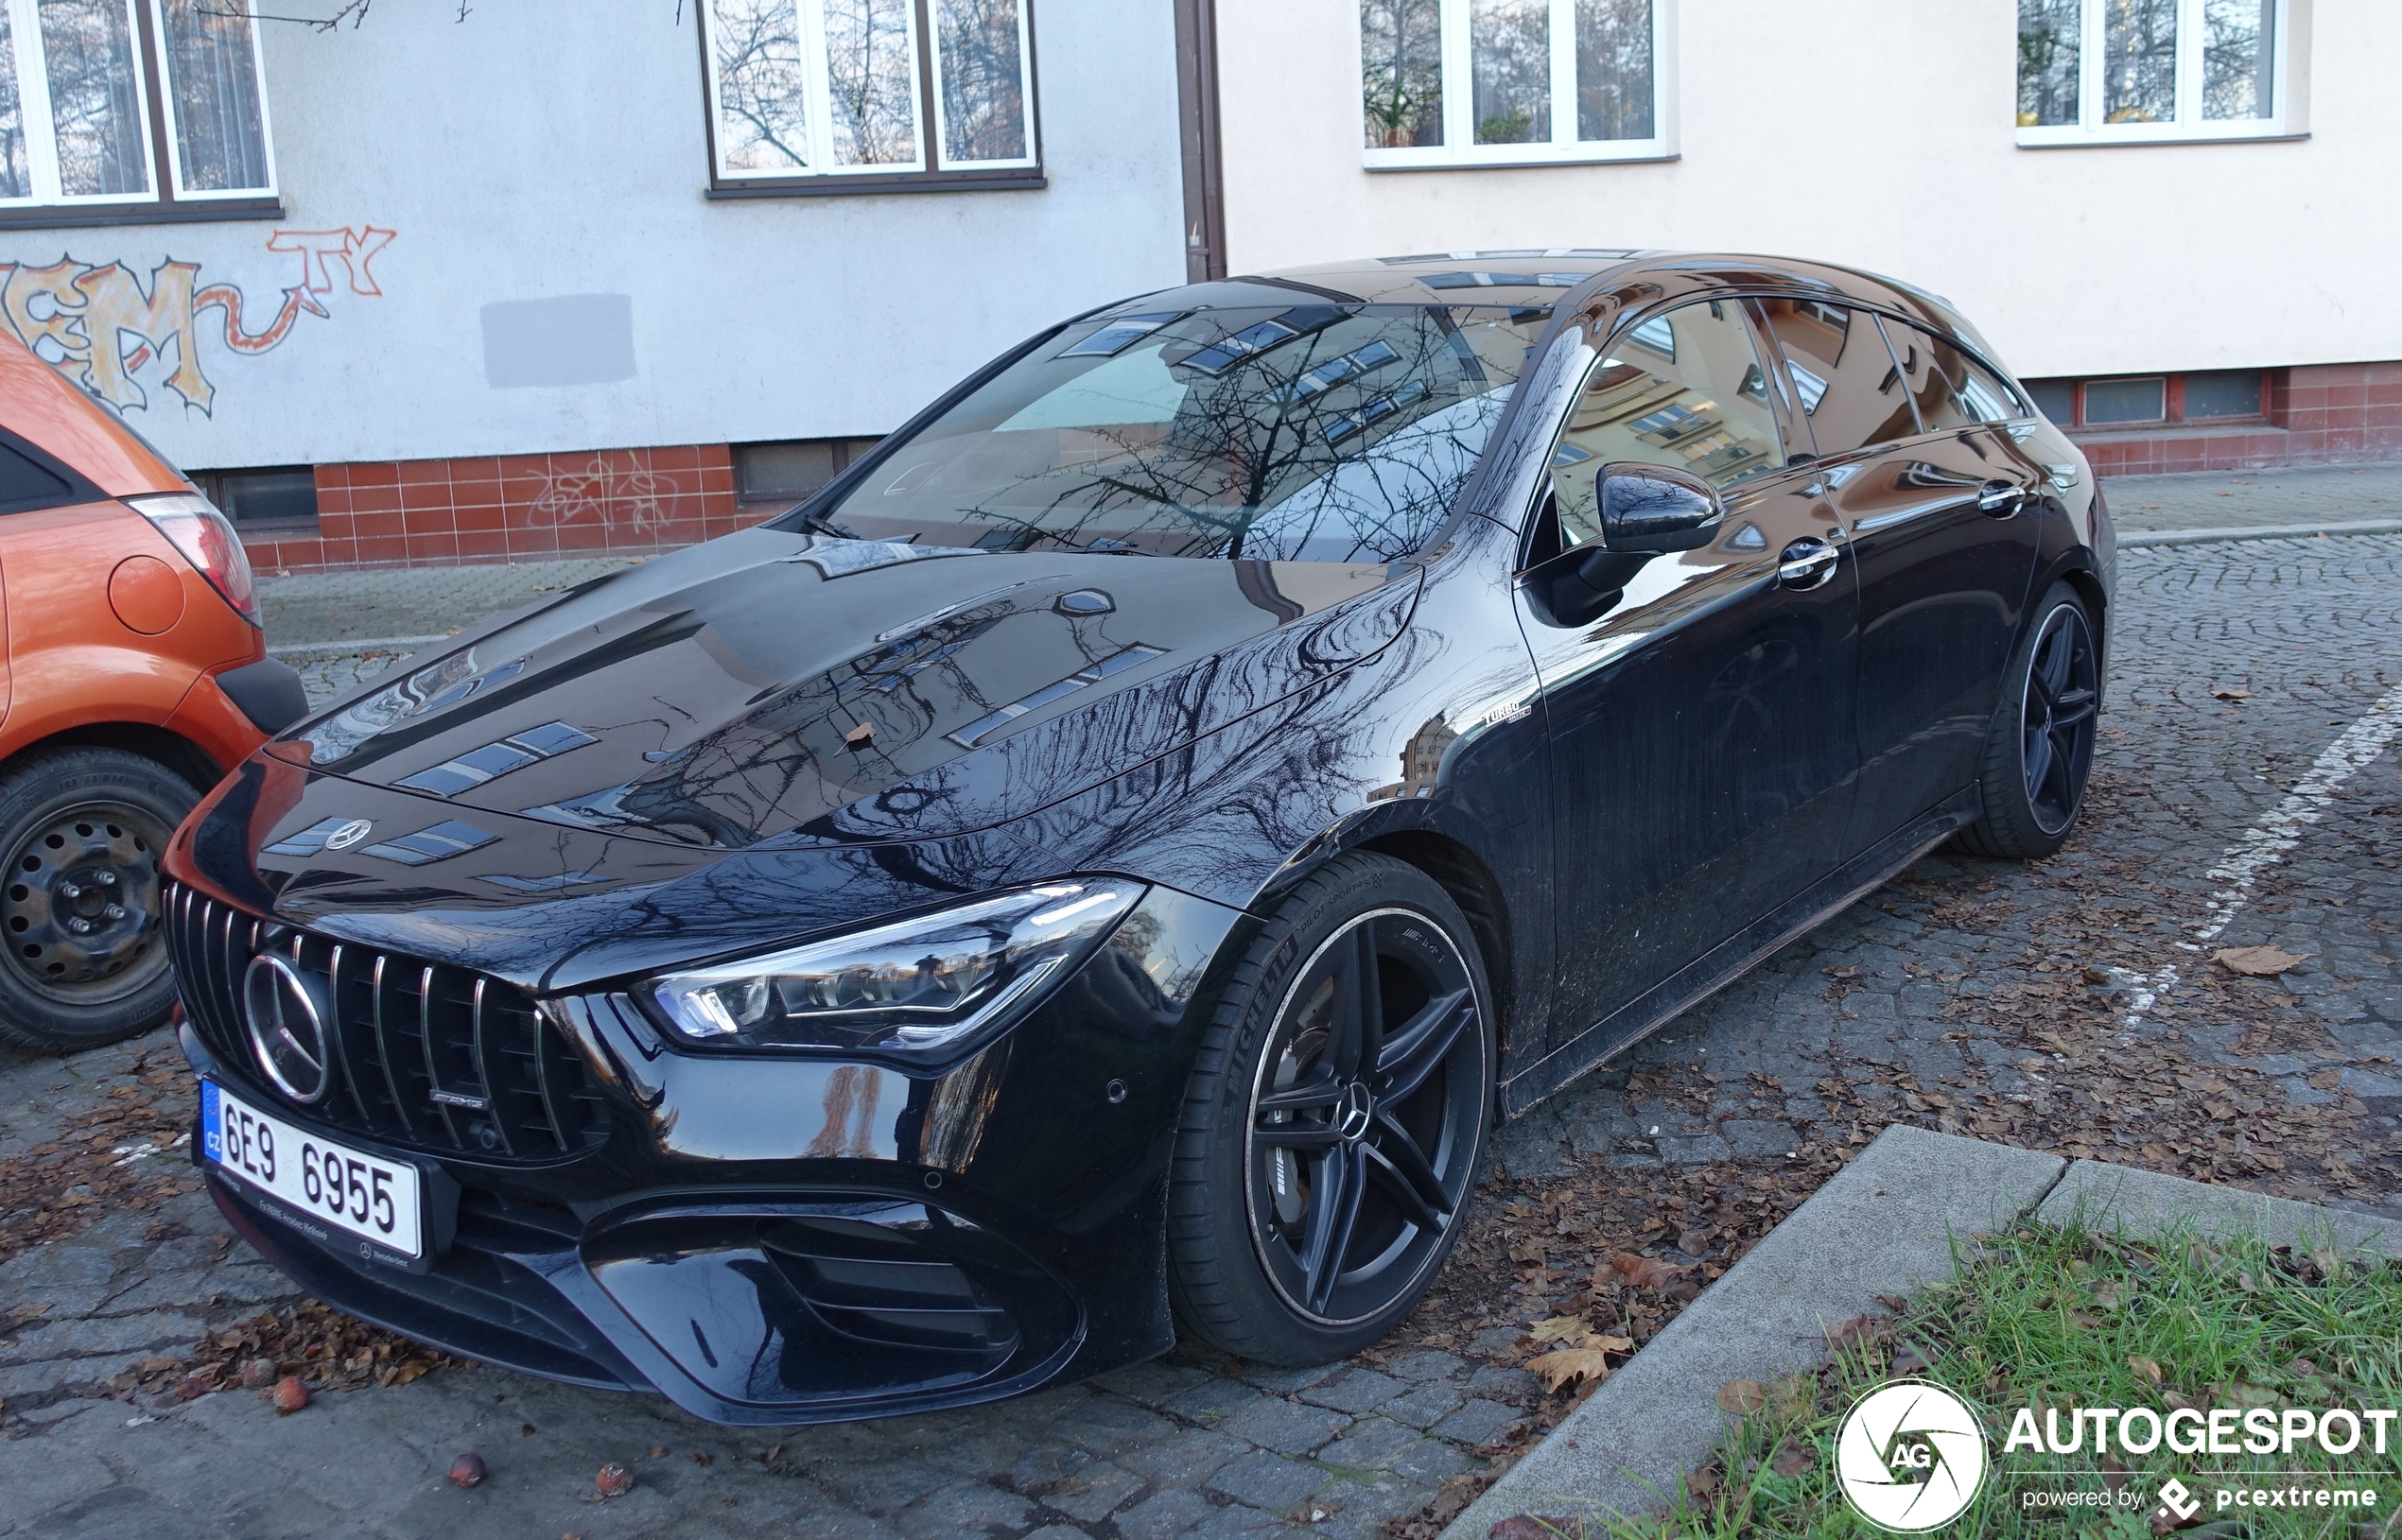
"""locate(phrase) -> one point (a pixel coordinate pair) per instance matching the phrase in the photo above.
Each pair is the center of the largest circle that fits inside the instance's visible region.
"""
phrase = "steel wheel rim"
(79, 905)
(1358, 1158)
(2057, 715)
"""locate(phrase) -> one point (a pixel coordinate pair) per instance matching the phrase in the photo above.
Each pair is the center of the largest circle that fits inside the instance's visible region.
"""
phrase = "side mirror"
(1651, 510)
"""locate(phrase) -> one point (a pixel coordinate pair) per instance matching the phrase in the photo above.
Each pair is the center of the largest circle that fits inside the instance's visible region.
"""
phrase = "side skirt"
(1731, 960)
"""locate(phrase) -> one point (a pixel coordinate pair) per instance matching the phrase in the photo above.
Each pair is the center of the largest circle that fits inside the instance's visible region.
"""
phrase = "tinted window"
(1952, 389)
(25, 485)
(1288, 432)
(1683, 390)
(1848, 384)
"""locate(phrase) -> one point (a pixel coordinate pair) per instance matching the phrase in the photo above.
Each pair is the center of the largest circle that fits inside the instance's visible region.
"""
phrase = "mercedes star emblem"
(349, 834)
(287, 1028)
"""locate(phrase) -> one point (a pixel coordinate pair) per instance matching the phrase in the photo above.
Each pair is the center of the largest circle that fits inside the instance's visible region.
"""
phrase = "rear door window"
(1952, 389)
(1846, 381)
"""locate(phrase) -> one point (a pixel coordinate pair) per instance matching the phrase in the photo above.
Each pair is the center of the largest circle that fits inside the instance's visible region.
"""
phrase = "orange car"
(133, 676)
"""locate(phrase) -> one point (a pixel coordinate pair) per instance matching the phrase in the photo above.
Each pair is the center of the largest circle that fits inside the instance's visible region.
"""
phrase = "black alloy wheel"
(1334, 1145)
(2057, 711)
(2040, 752)
(80, 904)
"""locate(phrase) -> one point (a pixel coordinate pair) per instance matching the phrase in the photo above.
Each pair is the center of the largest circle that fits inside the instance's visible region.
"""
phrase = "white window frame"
(2189, 127)
(39, 122)
(930, 169)
(818, 102)
(1459, 148)
(1025, 94)
(175, 140)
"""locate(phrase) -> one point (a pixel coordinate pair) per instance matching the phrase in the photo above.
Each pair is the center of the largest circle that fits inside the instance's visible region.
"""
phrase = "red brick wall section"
(513, 507)
(2322, 414)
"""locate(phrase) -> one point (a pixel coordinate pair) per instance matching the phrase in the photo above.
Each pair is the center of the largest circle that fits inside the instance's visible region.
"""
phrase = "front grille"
(430, 1056)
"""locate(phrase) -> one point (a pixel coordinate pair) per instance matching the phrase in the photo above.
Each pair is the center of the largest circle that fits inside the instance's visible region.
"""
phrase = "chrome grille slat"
(493, 1092)
(474, 1036)
(401, 1104)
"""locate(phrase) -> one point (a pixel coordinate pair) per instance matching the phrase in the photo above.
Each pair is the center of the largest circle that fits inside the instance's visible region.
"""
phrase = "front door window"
(1683, 390)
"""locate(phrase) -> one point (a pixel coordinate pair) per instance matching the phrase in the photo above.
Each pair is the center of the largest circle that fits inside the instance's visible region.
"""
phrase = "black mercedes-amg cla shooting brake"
(1098, 870)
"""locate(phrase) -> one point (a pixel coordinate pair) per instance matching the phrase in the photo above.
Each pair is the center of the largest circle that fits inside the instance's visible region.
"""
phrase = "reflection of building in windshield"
(1293, 432)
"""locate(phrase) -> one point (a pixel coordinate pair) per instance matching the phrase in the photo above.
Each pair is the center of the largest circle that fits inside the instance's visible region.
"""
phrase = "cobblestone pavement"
(1996, 997)
(334, 607)
(2256, 499)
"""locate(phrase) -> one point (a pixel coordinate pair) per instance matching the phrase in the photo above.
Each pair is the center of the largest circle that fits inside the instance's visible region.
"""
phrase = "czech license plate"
(312, 1184)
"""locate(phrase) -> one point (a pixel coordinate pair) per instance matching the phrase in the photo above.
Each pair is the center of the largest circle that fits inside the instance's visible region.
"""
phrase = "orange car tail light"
(206, 538)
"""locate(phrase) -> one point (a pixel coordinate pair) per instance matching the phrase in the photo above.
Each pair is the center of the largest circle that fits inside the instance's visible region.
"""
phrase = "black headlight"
(925, 987)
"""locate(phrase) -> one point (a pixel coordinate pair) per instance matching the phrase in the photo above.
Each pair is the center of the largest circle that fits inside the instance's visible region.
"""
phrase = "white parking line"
(2269, 836)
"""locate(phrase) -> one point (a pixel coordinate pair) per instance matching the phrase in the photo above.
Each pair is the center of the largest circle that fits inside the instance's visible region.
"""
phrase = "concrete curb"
(2257, 531)
(2119, 1198)
(1884, 1224)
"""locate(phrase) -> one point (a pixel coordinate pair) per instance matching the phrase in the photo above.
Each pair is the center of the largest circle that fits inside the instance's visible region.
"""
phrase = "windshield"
(1300, 432)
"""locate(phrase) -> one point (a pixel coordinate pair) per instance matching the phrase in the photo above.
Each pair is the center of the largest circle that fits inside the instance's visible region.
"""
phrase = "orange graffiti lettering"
(98, 325)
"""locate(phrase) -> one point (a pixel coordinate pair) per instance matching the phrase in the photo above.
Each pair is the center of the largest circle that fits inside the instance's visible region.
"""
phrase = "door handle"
(1807, 563)
(2000, 500)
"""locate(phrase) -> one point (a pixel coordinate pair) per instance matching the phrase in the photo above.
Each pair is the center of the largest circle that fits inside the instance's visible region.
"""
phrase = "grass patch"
(2057, 1318)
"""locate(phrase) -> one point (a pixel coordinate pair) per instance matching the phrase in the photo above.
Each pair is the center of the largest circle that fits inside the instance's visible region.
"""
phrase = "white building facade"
(530, 279)
(2172, 214)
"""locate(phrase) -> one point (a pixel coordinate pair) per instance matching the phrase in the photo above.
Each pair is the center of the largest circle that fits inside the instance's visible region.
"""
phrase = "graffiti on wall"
(606, 493)
(101, 327)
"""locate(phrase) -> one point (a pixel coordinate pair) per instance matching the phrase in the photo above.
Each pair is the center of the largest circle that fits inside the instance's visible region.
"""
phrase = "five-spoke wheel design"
(2057, 717)
(1364, 1117)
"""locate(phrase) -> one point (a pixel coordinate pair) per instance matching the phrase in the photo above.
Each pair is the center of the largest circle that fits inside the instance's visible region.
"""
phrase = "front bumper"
(784, 1243)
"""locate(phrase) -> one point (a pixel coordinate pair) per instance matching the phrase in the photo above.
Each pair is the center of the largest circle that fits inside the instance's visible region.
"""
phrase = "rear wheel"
(2040, 750)
(1338, 1109)
(82, 958)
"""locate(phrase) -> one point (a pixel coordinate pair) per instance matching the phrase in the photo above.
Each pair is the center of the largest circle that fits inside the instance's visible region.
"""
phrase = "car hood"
(772, 687)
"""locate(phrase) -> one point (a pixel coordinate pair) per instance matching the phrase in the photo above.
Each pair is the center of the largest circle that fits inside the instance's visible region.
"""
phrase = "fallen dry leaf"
(1793, 1458)
(2258, 961)
(1741, 1398)
(1640, 1272)
(1857, 1332)
(1558, 1328)
(2145, 1370)
(1562, 1365)
(2231, 694)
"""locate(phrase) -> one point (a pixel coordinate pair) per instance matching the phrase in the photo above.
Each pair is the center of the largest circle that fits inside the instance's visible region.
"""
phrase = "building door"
(1699, 702)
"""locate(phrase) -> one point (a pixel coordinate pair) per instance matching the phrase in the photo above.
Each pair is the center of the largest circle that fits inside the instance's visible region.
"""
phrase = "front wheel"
(2040, 750)
(83, 960)
(1331, 1128)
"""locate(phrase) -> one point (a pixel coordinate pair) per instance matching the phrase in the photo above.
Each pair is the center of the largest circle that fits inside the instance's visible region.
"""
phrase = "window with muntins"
(847, 96)
(1511, 82)
(130, 110)
(2094, 71)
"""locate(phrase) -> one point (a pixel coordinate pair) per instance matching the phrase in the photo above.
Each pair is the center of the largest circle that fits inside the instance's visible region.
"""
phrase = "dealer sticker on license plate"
(312, 1184)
